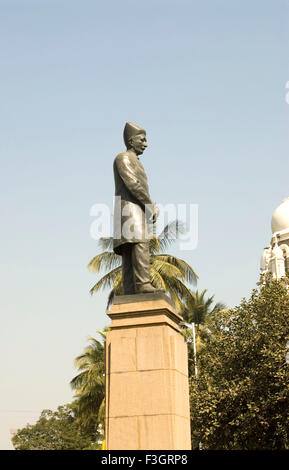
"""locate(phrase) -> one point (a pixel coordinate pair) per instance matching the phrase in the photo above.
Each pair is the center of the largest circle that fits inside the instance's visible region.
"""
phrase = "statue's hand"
(155, 213)
(152, 212)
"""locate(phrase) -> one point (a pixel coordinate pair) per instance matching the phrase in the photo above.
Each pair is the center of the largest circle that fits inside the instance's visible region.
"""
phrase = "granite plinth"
(147, 393)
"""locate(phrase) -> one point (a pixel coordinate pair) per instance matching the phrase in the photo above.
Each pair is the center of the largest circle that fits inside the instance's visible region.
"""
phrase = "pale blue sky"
(206, 79)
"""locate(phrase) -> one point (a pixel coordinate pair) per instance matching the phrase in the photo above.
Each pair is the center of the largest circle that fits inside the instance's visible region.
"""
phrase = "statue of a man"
(133, 210)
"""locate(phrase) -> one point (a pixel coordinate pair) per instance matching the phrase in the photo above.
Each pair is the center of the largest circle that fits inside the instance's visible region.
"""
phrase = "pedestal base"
(147, 393)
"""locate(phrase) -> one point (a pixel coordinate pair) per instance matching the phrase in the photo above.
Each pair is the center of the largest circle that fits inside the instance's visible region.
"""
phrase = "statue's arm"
(127, 172)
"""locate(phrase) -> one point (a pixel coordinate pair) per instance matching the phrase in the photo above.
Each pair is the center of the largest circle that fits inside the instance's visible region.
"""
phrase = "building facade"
(275, 257)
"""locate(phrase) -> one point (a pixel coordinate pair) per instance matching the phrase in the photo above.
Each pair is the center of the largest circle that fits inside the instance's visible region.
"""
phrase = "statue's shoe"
(148, 289)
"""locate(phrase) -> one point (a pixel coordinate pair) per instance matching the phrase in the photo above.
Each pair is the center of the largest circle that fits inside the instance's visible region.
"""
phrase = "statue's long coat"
(131, 197)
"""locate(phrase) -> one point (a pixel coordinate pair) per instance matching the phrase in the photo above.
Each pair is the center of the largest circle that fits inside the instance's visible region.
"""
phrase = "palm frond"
(103, 332)
(219, 306)
(170, 288)
(101, 412)
(116, 290)
(170, 233)
(198, 309)
(169, 269)
(154, 245)
(105, 243)
(189, 274)
(182, 292)
(106, 281)
(157, 279)
(106, 260)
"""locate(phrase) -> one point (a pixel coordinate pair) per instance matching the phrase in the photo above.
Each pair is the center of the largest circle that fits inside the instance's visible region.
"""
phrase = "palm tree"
(167, 271)
(198, 309)
(89, 384)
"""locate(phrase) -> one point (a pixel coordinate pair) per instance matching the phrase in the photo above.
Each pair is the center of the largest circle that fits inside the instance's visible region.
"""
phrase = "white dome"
(280, 218)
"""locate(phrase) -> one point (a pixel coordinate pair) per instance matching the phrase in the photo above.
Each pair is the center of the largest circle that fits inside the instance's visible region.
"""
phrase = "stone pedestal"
(147, 393)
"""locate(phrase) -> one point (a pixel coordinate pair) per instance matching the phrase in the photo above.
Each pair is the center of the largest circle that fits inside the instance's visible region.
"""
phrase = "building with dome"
(275, 258)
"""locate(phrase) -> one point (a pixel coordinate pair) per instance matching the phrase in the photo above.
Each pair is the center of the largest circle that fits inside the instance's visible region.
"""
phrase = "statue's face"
(139, 143)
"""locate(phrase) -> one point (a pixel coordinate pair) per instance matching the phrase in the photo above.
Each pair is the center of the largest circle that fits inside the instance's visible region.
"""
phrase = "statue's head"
(134, 138)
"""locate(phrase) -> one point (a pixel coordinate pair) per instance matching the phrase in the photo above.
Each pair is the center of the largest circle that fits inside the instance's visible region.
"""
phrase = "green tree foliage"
(54, 430)
(241, 399)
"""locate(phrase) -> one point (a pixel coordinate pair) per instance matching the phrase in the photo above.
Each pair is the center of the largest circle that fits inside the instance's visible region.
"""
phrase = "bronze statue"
(133, 210)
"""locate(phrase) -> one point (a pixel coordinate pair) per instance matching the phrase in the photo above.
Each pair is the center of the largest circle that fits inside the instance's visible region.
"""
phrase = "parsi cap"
(131, 130)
